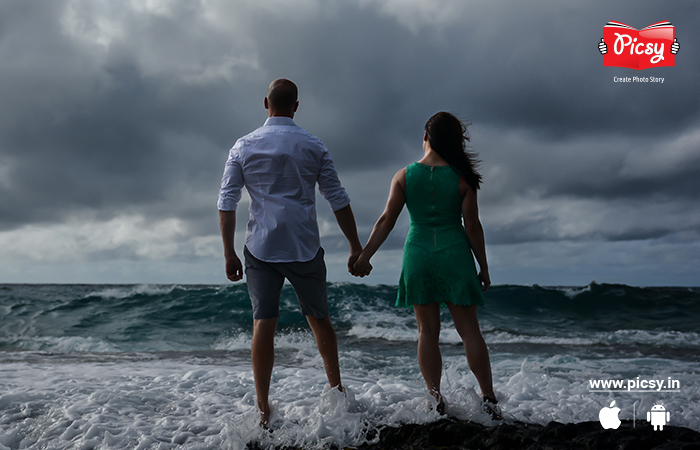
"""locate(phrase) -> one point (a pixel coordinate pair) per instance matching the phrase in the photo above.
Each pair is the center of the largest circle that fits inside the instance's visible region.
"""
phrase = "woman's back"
(434, 204)
(437, 260)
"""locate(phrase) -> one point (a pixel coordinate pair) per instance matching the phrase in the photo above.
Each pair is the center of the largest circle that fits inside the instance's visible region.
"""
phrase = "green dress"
(437, 265)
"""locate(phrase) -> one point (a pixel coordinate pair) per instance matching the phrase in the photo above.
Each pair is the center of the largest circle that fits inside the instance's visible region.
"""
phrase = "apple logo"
(608, 416)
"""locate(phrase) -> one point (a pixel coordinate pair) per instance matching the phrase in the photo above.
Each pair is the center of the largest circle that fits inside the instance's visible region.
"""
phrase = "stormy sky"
(116, 118)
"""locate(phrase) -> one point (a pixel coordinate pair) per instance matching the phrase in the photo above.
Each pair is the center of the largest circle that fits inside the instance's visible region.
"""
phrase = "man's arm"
(346, 222)
(330, 188)
(227, 224)
(229, 196)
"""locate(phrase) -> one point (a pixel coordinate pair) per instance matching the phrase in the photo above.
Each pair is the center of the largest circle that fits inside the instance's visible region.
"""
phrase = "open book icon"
(639, 49)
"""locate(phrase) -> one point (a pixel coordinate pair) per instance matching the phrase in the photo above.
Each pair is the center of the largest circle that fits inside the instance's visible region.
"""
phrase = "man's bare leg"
(263, 356)
(328, 348)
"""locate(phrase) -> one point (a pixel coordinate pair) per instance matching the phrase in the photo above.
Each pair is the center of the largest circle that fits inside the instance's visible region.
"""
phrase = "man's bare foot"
(265, 415)
(265, 421)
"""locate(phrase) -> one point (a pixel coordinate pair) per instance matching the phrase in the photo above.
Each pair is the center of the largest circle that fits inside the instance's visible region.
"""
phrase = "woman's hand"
(485, 280)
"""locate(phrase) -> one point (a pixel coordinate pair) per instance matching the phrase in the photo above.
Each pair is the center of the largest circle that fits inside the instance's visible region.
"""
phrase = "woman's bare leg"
(467, 325)
(429, 357)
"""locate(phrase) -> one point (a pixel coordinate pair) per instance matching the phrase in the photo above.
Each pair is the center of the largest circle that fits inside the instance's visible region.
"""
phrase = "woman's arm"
(475, 234)
(385, 223)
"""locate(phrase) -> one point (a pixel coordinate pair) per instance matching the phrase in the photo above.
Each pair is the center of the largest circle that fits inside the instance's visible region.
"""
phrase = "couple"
(280, 165)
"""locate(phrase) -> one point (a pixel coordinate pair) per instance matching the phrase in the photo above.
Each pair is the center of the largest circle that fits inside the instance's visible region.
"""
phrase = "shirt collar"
(280, 121)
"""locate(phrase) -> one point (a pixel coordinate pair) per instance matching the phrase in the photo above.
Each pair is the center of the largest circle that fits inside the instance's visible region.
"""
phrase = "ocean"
(168, 366)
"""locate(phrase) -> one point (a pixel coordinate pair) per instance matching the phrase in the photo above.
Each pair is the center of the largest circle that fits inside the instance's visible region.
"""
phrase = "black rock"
(453, 434)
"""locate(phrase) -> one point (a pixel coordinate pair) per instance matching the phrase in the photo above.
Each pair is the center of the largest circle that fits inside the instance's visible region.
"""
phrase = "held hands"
(351, 262)
(361, 267)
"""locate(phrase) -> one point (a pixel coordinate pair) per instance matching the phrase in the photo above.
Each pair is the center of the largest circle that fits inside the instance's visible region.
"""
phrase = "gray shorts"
(265, 281)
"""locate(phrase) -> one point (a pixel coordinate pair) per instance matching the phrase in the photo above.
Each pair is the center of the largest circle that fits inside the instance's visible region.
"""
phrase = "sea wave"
(52, 344)
(142, 366)
(189, 317)
(122, 292)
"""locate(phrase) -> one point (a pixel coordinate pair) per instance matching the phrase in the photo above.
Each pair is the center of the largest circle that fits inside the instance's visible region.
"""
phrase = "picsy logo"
(652, 46)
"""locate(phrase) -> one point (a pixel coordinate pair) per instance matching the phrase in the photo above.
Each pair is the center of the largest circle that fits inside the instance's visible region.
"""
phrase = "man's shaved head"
(282, 95)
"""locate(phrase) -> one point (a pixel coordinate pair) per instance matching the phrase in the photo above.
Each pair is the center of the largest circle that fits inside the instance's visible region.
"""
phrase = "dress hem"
(442, 303)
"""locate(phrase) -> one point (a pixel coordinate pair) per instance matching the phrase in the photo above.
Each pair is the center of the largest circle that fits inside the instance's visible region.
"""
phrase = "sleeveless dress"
(437, 264)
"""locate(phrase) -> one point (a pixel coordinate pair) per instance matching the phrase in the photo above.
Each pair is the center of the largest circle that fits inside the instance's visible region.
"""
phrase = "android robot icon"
(658, 416)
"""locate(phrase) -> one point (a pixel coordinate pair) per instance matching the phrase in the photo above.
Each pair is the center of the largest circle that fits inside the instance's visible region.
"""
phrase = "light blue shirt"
(280, 165)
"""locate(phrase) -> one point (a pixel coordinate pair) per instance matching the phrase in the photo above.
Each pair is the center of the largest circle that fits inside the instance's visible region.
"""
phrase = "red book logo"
(652, 46)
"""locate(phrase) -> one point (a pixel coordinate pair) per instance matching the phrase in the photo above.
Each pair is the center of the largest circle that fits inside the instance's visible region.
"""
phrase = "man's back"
(280, 164)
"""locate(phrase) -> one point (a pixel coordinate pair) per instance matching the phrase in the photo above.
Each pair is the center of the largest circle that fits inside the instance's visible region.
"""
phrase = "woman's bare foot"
(440, 407)
(490, 406)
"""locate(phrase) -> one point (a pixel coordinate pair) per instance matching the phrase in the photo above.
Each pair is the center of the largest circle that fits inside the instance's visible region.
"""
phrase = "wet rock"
(453, 434)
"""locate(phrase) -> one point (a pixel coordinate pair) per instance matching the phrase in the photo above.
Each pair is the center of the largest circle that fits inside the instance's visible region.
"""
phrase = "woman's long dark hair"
(448, 136)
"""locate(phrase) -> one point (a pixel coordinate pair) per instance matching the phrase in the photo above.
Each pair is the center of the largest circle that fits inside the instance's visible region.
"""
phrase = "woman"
(438, 267)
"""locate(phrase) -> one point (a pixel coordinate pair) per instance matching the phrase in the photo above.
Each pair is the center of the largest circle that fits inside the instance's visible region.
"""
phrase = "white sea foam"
(504, 337)
(449, 335)
(666, 338)
(121, 292)
(363, 331)
(381, 325)
(66, 344)
(172, 403)
(302, 341)
(573, 292)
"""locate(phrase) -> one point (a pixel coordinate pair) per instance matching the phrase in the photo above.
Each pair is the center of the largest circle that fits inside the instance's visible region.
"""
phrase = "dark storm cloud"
(107, 109)
(605, 167)
(508, 68)
(99, 133)
(683, 185)
(543, 73)
(547, 227)
(368, 83)
(362, 87)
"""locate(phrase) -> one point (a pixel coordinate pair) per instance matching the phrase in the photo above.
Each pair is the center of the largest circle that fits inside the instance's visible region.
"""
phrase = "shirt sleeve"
(231, 182)
(329, 185)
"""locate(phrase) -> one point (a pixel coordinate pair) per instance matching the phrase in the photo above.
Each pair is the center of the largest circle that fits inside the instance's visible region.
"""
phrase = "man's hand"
(234, 268)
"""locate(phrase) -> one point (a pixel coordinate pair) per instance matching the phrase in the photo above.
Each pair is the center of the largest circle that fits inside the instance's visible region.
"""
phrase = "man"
(280, 165)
